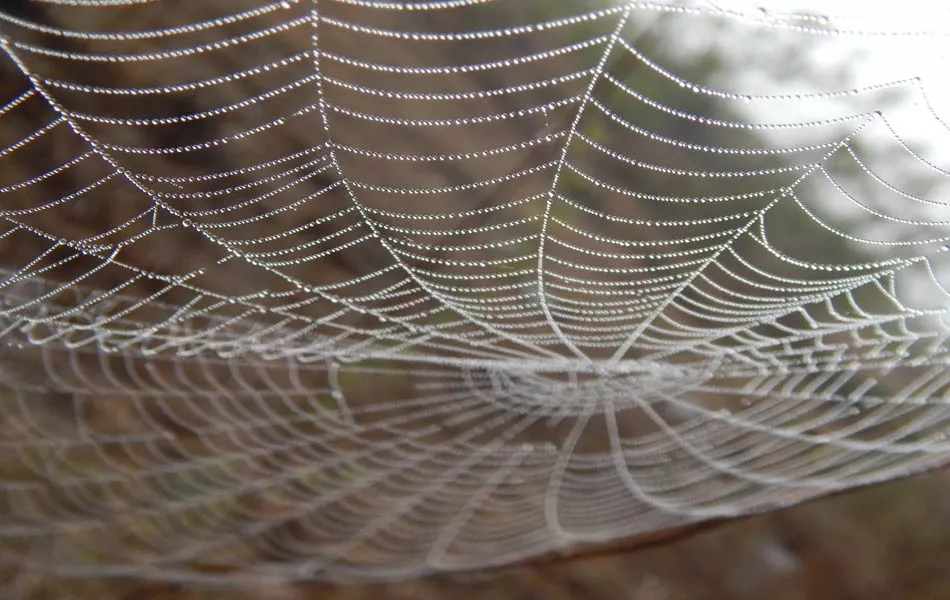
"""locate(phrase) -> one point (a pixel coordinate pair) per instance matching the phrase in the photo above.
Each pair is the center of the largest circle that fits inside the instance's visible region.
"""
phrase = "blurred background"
(792, 75)
(887, 542)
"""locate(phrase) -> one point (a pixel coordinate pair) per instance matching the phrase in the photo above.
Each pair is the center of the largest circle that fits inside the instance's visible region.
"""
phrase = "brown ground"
(890, 542)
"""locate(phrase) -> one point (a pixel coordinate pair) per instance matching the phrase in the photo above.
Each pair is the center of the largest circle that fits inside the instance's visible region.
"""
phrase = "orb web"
(359, 289)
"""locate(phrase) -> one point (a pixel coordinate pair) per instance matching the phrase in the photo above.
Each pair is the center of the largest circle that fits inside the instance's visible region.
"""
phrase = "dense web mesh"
(360, 289)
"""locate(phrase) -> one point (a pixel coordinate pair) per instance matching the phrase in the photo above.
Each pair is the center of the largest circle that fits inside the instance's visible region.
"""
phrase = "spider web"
(365, 289)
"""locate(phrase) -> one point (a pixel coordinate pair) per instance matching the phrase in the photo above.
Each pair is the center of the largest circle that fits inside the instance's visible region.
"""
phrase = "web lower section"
(359, 290)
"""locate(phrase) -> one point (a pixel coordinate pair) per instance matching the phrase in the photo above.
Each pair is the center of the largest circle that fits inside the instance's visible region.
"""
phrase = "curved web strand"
(358, 290)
